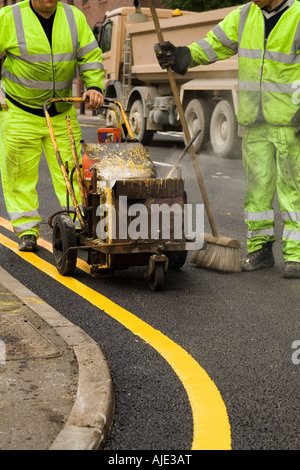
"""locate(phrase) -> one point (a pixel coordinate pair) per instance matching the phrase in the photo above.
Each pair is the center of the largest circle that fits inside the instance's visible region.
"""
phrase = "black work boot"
(262, 258)
(291, 270)
(28, 243)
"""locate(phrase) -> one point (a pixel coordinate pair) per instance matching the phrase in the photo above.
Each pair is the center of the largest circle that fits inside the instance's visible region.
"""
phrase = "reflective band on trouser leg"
(26, 223)
(63, 141)
(260, 173)
(20, 136)
(288, 188)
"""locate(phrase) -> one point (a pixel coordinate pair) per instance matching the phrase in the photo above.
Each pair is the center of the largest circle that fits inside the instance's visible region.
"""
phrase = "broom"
(220, 253)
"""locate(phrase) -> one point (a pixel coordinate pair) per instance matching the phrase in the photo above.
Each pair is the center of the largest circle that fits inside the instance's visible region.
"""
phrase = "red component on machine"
(109, 134)
(105, 134)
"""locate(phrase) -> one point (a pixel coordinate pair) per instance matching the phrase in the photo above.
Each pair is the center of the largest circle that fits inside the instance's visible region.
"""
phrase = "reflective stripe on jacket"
(33, 71)
(269, 70)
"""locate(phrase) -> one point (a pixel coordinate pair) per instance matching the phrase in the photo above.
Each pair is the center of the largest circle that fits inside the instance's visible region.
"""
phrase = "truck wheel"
(224, 131)
(137, 123)
(110, 119)
(197, 115)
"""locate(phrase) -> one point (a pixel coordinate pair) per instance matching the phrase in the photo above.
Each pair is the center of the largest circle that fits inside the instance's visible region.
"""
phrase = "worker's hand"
(3, 105)
(94, 97)
(166, 54)
(178, 58)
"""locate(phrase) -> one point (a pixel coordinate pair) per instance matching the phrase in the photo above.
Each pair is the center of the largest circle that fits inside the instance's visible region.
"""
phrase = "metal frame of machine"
(135, 181)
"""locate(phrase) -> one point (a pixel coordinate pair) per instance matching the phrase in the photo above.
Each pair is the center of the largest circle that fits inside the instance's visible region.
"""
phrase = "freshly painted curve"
(211, 427)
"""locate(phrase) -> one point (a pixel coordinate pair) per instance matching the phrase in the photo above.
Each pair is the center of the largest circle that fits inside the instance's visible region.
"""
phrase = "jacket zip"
(53, 74)
(260, 115)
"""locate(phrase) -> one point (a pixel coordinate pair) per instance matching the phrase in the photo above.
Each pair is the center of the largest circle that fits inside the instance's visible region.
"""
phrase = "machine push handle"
(70, 190)
(110, 101)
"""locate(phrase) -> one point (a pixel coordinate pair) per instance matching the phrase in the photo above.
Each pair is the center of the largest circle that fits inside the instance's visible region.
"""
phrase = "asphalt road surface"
(209, 361)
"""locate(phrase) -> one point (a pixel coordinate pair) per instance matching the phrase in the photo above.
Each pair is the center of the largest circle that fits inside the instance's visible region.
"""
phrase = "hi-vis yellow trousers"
(271, 157)
(22, 137)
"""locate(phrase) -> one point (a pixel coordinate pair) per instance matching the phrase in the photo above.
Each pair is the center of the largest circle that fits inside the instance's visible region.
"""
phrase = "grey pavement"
(56, 391)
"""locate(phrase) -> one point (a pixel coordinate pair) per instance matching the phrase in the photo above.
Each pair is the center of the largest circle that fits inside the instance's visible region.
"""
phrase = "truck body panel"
(134, 77)
(182, 30)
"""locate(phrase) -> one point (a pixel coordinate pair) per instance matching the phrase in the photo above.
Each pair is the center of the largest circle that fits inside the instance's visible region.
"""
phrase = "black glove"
(168, 55)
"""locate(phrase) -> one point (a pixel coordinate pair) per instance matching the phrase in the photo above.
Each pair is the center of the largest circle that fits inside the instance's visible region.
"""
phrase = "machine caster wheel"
(157, 280)
(176, 259)
(63, 238)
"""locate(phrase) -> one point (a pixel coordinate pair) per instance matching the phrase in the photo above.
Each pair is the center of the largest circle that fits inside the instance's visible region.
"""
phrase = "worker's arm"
(221, 43)
(90, 67)
(168, 55)
(2, 101)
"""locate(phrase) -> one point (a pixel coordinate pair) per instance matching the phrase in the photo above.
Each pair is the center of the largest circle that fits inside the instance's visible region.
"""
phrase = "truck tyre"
(137, 123)
(224, 131)
(110, 119)
(198, 115)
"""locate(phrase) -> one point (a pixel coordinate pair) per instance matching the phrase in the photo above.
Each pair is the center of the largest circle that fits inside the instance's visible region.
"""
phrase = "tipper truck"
(134, 78)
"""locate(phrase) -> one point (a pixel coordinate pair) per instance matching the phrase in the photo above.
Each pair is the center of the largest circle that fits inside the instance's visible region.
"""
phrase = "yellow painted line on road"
(211, 429)
(81, 264)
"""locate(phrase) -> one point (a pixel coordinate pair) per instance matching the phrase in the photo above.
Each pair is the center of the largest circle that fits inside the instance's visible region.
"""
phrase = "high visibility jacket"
(33, 71)
(269, 69)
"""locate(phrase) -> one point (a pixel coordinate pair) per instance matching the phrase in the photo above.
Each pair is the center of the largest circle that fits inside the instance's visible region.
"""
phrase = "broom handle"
(184, 126)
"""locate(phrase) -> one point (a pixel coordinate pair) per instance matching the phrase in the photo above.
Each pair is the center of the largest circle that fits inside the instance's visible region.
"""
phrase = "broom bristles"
(218, 257)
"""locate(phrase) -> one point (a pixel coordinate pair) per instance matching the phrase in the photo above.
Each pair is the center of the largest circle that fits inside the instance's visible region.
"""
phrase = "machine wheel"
(157, 279)
(197, 115)
(223, 131)
(137, 123)
(64, 237)
(176, 259)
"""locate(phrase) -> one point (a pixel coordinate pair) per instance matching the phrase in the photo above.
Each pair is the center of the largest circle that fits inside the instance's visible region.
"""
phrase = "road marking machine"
(127, 216)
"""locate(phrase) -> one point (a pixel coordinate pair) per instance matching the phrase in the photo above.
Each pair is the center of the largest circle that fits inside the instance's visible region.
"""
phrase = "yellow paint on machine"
(211, 424)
